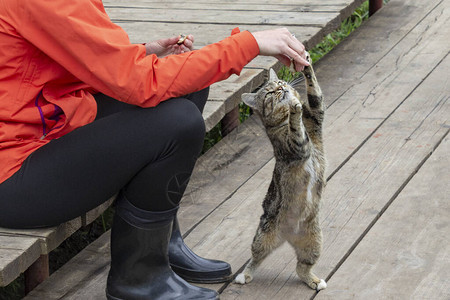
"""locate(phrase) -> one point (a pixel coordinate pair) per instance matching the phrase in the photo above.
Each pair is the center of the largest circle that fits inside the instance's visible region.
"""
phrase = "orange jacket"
(54, 54)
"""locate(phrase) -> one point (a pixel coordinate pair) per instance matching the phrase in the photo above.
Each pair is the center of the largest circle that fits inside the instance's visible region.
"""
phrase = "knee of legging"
(189, 124)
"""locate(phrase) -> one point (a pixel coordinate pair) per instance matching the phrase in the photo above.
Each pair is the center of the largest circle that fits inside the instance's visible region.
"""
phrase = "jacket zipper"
(41, 113)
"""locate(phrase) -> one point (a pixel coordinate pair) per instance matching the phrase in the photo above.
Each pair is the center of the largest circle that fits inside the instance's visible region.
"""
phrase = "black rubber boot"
(192, 267)
(139, 258)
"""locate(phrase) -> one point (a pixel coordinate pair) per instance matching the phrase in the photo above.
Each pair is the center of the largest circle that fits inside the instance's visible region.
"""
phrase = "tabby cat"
(291, 205)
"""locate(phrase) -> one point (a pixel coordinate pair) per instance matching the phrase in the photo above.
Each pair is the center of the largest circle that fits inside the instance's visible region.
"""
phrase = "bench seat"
(20, 249)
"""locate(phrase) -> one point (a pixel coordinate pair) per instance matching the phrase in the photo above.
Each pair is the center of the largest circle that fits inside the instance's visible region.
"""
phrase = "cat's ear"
(249, 99)
(273, 75)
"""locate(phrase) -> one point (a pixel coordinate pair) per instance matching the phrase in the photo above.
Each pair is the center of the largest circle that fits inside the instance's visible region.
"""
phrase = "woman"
(85, 115)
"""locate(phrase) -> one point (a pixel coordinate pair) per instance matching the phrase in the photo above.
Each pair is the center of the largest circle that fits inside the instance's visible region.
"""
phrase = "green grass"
(348, 26)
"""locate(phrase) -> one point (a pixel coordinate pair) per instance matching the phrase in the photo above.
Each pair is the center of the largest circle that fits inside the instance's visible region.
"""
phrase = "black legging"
(148, 153)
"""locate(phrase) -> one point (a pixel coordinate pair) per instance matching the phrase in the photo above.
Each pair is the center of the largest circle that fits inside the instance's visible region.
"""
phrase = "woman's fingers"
(281, 44)
(188, 43)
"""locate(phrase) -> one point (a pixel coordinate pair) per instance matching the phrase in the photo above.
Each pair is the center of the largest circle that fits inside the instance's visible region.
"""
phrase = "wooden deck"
(386, 208)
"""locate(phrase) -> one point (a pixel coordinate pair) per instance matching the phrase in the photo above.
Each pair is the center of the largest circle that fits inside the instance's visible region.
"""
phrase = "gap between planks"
(433, 125)
(414, 227)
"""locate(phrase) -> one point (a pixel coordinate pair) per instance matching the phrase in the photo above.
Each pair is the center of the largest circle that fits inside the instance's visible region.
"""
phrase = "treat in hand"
(182, 39)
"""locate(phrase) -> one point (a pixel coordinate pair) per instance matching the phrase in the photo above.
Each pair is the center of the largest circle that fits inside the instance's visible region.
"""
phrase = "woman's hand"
(169, 46)
(283, 45)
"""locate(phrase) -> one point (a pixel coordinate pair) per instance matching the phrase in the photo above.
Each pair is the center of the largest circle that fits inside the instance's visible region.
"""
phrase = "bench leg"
(374, 6)
(36, 273)
(230, 121)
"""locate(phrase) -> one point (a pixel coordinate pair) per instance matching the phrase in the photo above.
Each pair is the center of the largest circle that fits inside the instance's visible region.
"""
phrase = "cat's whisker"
(295, 82)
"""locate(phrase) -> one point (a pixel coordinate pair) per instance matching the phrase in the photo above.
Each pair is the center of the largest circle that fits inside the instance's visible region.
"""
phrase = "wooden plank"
(370, 44)
(379, 90)
(204, 34)
(256, 3)
(49, 238)
(406, 254)
(36, 273)
(16, 255)
(52, 237)
(213, 113)
(238, 6)
(219, 16)
(363, 188)
(84, 268)
(19, 249)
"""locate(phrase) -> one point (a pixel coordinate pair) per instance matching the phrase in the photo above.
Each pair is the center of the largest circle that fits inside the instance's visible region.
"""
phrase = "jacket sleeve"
(79, 35)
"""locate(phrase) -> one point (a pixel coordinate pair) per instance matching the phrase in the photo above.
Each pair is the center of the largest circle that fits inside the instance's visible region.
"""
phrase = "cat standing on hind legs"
(291, 205)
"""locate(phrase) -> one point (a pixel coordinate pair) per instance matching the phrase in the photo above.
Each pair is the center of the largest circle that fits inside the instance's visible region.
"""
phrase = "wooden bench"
(27, 250)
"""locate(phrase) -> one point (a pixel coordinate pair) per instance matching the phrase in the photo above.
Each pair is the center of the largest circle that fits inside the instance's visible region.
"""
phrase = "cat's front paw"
(308, 57)
(307, 70)
(295, 107)
(243, 278)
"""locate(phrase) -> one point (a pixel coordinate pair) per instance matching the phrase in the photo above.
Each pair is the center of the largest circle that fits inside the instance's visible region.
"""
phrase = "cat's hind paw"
(316, 283)
(243, 279)
(321, 285)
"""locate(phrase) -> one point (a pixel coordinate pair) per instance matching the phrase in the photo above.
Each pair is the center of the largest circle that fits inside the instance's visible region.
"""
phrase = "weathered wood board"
(87, 266)
(406, 253)
(14, 259)
(380, 88)
(204, 34)
(16, 255)
(299, 6)
(252, 4)
(367, 46)
(206, 16)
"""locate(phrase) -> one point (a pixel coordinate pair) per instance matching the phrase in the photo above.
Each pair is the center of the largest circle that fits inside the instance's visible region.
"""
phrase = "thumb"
(168, 42)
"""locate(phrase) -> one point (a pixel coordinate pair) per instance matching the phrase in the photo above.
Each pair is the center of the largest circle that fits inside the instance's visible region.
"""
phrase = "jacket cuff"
(248, 43)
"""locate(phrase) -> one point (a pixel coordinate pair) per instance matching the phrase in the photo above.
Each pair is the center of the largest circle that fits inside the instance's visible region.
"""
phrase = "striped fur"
(291, 205)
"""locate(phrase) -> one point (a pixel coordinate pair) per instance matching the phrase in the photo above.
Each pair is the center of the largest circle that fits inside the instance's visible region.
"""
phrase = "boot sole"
(109, 297)
(206, 280)
(205, 277)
